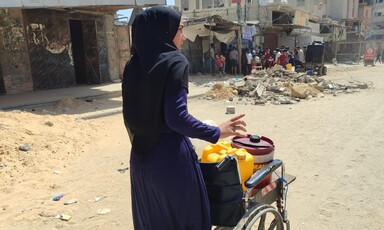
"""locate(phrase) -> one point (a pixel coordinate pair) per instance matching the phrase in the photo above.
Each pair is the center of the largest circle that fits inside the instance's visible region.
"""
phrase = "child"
(220, 64)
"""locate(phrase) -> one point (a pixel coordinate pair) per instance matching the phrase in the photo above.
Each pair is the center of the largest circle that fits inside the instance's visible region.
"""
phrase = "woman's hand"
(232, 127)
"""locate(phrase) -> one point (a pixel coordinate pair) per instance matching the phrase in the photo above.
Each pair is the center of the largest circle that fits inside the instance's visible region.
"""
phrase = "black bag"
(225, 192)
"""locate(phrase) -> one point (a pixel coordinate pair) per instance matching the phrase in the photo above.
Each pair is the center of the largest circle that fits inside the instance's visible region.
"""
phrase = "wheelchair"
(233, 208)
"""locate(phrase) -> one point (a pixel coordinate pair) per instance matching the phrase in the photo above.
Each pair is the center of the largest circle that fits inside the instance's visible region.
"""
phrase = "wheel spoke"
(262, 222)
(262, 218)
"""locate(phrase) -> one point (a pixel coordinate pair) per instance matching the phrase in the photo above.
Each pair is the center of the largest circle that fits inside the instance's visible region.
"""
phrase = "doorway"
(2, 85)
(76, 27)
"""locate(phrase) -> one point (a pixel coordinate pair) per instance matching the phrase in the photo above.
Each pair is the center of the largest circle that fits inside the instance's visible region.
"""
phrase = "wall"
(101, 41)
(49, 43)
(55, 58)
(336, 9)
(123, 46)
(112, 48)
(37, 52)
(14, 59)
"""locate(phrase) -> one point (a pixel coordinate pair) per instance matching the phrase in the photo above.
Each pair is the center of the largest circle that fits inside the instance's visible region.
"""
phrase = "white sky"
(128, 12)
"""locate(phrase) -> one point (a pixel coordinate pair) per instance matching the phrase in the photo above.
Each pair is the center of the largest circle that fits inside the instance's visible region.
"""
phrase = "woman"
(167, 187)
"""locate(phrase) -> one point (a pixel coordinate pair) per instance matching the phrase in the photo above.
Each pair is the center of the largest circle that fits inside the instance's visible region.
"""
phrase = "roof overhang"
(277, 28)
(87, 5)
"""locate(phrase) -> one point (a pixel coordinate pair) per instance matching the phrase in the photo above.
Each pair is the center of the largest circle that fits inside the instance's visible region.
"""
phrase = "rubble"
(279, 86)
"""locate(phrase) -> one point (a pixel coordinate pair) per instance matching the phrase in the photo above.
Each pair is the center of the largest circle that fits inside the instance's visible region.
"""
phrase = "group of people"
(281, 56)
(257, 58)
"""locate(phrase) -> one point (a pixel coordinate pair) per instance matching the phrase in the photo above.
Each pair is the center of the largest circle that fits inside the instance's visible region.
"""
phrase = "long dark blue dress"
(168, 190)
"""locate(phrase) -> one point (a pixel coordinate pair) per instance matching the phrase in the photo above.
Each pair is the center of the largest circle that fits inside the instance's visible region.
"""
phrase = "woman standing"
(167, 186)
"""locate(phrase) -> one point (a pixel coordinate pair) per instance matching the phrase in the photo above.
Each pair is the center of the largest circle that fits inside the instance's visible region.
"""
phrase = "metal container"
(262, 150)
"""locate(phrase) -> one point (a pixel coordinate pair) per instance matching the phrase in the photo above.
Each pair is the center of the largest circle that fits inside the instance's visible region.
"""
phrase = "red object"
(262, 149)
(369, 54)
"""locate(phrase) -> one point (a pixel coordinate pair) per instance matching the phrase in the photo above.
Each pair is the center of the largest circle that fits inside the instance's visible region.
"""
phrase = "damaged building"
(55, 44)
(344, 26)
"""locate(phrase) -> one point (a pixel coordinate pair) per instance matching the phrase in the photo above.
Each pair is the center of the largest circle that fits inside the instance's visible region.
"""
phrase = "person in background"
(283, 59)
(167, 187)
(268, 59)
(222, 57)
(291, 60)
(288, 51)
(277, 56)
(260, 51)
(212, 59)
(382, 55)
(220, 64)
(300, 58)
(378, 57)
(248, 56)
(233, 58)
(304, 53)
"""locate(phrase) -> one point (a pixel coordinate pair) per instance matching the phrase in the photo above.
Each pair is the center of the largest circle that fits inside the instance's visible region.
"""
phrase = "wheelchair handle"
(260, 175)
(220, 166)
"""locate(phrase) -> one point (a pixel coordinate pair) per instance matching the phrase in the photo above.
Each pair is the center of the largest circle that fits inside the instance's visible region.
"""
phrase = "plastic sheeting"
(191, 32)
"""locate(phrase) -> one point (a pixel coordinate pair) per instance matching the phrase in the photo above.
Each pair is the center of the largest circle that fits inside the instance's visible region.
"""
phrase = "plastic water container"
(217, 152)
(288, 66)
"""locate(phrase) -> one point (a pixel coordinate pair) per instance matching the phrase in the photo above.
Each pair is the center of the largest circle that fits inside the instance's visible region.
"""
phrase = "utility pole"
(239, 35)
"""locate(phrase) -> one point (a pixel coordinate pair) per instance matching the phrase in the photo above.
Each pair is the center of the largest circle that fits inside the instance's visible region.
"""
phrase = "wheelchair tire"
(264, 217)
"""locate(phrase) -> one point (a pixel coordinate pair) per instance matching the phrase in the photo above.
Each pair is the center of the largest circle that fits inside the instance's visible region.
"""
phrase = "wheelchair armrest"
(261, 174)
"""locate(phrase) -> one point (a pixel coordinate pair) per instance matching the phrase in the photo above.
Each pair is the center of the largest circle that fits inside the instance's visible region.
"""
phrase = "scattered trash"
(122, 170)
(71, 201)
(79, 119)
(3, 164)
(56, 172)
(5, 127)
(25, 147)
(96, 199)
(65, 217)
(43, 214)
(57, 197)
(103, 211)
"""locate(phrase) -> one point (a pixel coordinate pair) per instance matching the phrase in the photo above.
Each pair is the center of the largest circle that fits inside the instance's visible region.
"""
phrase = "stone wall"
(14, 60)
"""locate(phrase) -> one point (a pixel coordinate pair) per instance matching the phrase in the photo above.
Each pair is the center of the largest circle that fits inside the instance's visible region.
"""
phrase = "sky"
(127, 13)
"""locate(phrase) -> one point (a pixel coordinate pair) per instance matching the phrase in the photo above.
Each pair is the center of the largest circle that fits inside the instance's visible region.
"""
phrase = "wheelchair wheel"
(264, 217)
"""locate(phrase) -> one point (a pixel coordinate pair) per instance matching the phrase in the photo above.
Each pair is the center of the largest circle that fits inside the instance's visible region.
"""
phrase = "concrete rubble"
(279, 86)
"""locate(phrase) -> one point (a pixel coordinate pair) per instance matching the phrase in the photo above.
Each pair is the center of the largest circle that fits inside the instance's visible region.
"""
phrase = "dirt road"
(332, 144)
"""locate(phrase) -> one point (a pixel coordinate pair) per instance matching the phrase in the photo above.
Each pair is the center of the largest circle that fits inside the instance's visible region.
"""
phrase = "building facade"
(377, 31)
(56, 44)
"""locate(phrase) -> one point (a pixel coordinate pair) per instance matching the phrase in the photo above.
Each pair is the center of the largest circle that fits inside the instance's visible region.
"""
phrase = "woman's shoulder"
(174, 57)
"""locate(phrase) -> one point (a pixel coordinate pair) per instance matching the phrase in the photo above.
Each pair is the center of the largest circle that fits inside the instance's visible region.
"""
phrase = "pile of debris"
(279, 86)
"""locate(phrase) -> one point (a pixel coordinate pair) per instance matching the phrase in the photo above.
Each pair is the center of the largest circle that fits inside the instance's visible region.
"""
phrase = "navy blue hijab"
(156, 69)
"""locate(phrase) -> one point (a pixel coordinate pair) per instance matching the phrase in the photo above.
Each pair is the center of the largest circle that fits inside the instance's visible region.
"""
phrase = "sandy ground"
(332, 144)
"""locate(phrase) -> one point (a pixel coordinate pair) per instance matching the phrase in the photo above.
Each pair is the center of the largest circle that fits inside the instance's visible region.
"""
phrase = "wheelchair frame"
(257, 202)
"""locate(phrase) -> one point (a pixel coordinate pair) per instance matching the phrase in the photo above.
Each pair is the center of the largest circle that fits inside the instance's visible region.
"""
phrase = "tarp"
(191, 32)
